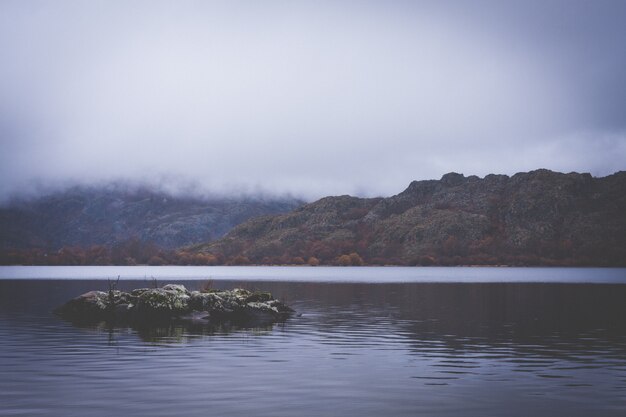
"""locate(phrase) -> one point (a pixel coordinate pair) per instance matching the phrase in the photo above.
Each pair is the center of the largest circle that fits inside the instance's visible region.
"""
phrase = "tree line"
(449, 253)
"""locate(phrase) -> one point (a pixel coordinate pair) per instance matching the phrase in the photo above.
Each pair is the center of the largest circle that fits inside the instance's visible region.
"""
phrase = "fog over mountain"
(122, 215)
(308, 98)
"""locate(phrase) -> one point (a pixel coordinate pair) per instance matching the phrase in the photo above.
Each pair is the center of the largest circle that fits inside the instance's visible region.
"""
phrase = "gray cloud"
(312, 98)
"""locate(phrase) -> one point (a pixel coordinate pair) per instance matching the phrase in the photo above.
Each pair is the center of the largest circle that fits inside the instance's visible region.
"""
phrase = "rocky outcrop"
(531, 218)
(175, 303)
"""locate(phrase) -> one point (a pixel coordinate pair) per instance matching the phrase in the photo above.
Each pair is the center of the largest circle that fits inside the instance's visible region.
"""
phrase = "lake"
(369, 342)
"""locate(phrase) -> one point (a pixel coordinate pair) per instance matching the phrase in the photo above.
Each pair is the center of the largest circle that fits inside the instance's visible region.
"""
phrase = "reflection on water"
(171, 332)
(357, 349)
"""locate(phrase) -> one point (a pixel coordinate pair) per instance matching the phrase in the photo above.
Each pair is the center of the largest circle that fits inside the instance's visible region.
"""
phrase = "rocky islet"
(175, 302)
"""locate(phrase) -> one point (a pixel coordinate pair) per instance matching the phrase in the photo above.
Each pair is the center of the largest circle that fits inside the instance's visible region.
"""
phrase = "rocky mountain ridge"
(533, 218)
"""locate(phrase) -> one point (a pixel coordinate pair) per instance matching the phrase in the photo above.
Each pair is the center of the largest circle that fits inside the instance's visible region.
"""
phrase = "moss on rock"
(174, 301)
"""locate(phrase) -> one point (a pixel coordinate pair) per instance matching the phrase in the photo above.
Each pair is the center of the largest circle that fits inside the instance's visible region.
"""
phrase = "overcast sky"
(311, 98)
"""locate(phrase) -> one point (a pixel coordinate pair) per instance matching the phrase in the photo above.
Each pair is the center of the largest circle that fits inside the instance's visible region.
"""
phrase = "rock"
(122, 308)
(176, 288)
(161, 301)
(90, 305)
(175, 302)
(137, 292)
(204, 301)
(259, 296)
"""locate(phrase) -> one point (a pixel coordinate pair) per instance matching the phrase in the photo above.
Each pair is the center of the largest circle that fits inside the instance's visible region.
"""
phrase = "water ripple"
(352, 352)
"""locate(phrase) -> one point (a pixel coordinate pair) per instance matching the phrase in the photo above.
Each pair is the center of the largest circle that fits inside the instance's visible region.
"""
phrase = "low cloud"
(308, 98)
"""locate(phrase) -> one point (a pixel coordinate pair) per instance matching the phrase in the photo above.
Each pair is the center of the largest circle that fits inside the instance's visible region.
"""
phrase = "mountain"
(534, 218)
(87, 216)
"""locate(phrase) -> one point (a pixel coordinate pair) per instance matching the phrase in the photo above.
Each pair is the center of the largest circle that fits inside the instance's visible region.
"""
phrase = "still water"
(398, 346)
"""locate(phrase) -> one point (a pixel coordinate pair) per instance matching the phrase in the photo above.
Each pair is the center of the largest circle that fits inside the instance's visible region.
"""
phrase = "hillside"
(535, 218)
(108, 216)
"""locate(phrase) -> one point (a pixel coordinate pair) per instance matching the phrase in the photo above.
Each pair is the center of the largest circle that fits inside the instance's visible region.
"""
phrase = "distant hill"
(535, 218)
(83, 217)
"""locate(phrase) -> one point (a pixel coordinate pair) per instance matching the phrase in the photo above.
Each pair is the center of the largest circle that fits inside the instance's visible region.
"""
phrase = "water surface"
(358, 349)
(324, 274)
